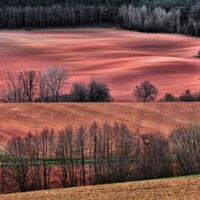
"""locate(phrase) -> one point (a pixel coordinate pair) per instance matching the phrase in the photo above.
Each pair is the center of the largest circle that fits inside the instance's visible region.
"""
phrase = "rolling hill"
(121, 58)
(19, 119)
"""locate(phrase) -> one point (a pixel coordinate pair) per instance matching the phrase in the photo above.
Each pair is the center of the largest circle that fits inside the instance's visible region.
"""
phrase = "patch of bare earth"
(181, 188)
(119, 57)
(19, 119)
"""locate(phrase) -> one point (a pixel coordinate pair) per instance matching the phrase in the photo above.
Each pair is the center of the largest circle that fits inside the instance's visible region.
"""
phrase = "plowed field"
(120, 58)
(173, 189)
(19, 119)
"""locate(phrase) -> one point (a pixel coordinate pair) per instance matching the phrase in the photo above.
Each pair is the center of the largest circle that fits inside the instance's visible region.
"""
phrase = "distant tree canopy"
(143, 15)
(150, 3)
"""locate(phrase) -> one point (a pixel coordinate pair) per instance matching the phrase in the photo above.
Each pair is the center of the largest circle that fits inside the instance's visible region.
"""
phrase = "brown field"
(18, 119)
(121, 58)
(179, 188)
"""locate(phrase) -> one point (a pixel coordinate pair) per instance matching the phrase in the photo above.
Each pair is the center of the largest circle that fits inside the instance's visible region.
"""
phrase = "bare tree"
(14, 91)
(20, 170)
(94, 151)
(80, 151)
(120, 161)
(154, 156)
(145, 92)
(47, 147)
(44, 91)
(63, 156)
(20, 88)
(3, 165)
(29, 83)
(185, 142)
(53, 79)
(65, 153)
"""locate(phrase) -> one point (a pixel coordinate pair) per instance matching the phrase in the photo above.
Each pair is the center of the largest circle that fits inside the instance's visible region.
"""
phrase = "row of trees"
(146, 92)
(187, 96)
(98, 155)
(35, 3)
(176, 20)
(29, 86)
(65, 15)
(47, 86)
(150, 3)
(136, 16)
(145, 19)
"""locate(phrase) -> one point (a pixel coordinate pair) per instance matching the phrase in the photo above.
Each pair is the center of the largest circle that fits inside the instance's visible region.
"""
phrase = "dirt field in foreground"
(19, 119)
(180, 188)
(121, 58)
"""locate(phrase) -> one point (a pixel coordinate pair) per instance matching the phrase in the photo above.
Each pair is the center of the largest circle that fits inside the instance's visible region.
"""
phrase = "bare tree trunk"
(47, 150)
(80, 144)
(29, 82)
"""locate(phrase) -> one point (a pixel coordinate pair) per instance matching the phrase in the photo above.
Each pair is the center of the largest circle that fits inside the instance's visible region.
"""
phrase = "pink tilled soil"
(19, 119)
(121, 58)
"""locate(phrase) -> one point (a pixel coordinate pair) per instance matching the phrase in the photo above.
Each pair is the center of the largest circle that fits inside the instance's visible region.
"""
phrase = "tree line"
(150, 3)
(187, 96)
(146, 92)
(56, 16)
(47, 86)
(96, 155)
(149, 16)
(174, 20)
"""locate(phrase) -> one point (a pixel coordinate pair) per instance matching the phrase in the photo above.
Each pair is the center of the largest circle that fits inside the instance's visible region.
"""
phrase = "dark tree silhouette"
(145, 92)
(98, 91)
(185, 142)
(187, 96)
(79, 92)
(170, 97)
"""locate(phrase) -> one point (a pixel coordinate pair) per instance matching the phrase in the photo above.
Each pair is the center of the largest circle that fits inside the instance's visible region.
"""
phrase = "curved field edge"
(19, 119)
(176, 188)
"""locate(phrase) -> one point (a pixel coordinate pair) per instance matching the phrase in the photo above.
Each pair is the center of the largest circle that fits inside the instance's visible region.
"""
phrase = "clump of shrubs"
(187, 96)
(170, 97)
(95, 91)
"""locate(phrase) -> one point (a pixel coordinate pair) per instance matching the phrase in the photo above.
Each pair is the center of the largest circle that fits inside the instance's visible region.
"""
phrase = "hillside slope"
(18, 119)
(121, 58)
(179, 188)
